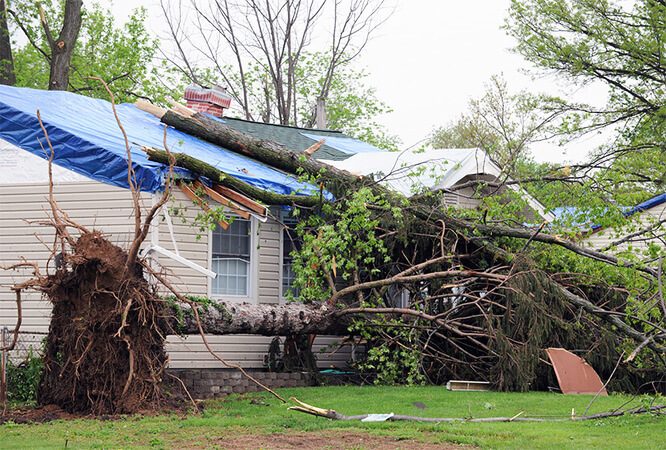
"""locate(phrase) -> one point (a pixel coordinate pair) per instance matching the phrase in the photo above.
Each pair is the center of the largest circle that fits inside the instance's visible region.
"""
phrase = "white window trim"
(253, 288)
(282, 300)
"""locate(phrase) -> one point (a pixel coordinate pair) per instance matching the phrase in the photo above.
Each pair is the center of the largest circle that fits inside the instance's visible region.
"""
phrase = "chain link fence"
(29, 344)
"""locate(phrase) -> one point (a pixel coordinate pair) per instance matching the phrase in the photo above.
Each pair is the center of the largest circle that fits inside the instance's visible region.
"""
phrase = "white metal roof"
(414, 171)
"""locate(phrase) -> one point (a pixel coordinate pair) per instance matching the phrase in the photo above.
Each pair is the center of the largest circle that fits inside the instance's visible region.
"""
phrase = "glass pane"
(232, 278)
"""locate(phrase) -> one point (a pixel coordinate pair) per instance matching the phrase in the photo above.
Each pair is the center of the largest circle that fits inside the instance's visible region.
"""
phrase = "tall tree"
(232, 38)
(618, 45)
(501, 123)
(6, 60)
(122, 56)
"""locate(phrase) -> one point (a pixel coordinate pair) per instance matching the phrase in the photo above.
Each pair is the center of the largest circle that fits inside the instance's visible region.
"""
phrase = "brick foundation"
(214, 383)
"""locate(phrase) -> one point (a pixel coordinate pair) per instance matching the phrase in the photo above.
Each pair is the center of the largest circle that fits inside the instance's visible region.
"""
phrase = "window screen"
(231, 259)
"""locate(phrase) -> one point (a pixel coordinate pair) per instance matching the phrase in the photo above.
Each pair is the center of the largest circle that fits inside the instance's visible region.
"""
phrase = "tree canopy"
(123, 56)
(618, 45)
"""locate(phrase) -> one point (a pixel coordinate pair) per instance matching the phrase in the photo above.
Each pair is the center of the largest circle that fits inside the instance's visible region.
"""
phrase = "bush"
(23, 379)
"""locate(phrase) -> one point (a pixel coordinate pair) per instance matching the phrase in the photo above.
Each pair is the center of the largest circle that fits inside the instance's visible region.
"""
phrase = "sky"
(429, 59)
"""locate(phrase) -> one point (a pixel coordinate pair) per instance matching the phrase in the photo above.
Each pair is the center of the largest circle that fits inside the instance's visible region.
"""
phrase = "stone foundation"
(215, 383)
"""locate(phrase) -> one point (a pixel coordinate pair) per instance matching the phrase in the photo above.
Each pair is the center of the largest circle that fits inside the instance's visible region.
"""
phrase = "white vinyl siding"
(110, 210)
(644, 220)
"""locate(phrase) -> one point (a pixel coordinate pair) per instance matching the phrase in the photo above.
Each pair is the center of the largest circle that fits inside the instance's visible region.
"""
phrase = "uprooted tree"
(483, 299)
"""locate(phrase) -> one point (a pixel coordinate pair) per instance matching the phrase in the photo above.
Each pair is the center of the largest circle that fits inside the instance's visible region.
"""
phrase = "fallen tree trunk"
(269, 152)
(248, 318)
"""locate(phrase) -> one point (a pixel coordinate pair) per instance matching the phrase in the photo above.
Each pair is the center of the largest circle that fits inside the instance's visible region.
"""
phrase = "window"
(231, 255)
(290, 242)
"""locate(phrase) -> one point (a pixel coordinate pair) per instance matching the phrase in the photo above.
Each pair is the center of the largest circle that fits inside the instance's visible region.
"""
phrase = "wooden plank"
(222, 200)
(190, 193)
(242, 200)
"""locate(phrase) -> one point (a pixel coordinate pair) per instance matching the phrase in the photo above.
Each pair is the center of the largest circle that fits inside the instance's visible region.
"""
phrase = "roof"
(572, 211)
(651, 203)
(417, 170)
(440, 169)
(338, 146)
(86, 139)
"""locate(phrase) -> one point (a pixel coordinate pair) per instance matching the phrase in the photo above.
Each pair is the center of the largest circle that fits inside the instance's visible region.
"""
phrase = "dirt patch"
(35, 415)
(328, 439)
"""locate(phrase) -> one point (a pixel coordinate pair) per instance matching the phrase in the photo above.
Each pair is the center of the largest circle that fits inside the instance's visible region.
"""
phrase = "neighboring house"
(411, 172)
(644, 227)
(247, 262)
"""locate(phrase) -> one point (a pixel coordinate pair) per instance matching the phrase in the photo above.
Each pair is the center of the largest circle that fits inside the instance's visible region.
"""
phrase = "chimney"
(207, 100)
(321, 113)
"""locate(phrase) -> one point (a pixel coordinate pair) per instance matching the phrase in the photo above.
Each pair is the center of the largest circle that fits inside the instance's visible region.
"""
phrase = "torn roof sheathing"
(574, 375)
(87, 140)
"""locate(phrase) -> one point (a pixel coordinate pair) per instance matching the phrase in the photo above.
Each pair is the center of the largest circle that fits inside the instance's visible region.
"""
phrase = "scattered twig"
(331, 414)
(605, 384)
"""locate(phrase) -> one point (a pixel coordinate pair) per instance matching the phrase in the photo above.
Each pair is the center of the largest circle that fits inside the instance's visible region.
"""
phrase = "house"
(446, 170)
(642, 229)
(247, 262)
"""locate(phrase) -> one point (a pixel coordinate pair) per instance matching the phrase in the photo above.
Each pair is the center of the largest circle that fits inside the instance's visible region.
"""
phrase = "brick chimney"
(207, 100)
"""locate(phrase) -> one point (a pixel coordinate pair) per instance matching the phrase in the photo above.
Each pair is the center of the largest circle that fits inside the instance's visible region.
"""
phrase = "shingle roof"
(290, 137)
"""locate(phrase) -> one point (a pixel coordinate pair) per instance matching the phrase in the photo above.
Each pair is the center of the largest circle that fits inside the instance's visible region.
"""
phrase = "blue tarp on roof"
(86, 139)
(344, 144)
(654, 201)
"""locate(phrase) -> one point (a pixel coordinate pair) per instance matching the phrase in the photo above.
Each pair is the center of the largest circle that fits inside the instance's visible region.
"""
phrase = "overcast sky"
(429, 59)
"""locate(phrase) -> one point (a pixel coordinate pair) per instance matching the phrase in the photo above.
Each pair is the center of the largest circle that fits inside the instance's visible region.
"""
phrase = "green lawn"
(236, 415)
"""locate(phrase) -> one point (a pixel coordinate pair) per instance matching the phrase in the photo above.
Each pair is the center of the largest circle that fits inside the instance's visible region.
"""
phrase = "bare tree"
(255, 47)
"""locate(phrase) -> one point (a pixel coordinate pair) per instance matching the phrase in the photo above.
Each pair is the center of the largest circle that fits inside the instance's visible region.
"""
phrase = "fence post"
(3, 370)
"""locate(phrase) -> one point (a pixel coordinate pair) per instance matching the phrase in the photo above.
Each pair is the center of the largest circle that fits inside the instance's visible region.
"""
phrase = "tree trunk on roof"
(269, 152)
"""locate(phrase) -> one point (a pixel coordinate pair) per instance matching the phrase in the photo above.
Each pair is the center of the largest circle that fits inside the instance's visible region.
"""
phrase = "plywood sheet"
(574, 375)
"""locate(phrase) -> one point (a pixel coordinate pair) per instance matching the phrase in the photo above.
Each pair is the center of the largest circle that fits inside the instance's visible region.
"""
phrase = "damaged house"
(246, 259)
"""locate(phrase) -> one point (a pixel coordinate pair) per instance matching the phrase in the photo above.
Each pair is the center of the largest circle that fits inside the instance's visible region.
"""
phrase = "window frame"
(253, 274)
(285, 219)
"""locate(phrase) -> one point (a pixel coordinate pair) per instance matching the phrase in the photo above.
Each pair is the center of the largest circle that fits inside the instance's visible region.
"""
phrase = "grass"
(235, 415)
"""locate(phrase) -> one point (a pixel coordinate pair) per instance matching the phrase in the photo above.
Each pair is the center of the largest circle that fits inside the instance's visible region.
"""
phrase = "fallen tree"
(480, 306)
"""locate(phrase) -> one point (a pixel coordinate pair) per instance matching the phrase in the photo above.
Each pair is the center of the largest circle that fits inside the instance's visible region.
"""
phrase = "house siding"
(19, 239)
(269, 263)
(110, 209)
(645, 219)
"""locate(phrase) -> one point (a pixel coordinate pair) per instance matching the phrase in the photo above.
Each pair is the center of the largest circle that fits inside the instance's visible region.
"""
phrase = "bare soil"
(326, 439)
(39, 414)
(313, 440)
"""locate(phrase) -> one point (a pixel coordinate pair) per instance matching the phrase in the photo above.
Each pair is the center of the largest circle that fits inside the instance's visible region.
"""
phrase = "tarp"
(654, 201)
(20, 167)
(87, 140)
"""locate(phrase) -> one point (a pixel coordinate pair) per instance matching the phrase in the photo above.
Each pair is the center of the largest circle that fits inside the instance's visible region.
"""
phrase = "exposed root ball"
(104, 352)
